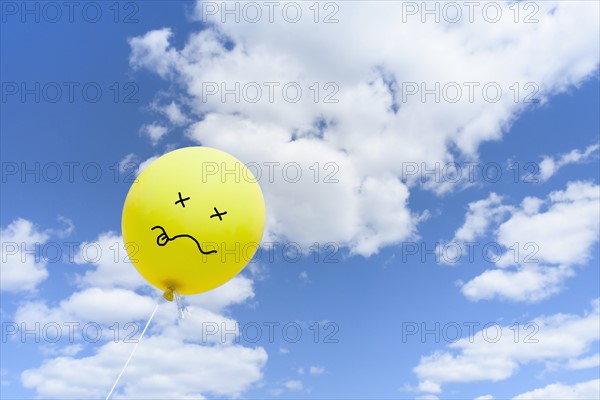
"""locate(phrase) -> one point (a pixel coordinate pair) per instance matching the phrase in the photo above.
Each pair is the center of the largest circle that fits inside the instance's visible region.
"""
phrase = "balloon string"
(180, 306)
(132, 352)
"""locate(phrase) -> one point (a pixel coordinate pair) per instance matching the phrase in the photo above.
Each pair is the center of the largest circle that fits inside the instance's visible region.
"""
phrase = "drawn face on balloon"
(163, 238)
(193, 220)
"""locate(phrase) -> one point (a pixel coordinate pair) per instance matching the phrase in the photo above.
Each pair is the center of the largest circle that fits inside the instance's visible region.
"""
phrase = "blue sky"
(152, 73)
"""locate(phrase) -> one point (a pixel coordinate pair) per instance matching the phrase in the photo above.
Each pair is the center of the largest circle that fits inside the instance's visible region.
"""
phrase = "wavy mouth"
(163, 239)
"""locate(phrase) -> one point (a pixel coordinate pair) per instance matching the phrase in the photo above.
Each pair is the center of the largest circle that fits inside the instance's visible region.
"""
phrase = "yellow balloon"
(193, 220)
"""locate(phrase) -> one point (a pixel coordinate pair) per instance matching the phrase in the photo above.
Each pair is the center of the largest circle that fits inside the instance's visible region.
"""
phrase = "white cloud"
(150, 51)
(582, 390)
(162, 368)
(236, 291)
(485, 397)
(173, 351)
(564, 233)
(22, 267)
(90, 305)
(71, 350)
(428, 386)
(592, 361)
(557, 337)
(480, 215)
(64, 232)
(173, 113)
(298, 207)
(154, 132)
(293, 385)
(316, 370)
(550, 165)
(178, 358)
(113, 266)
(427, 397)
(105, 305)
(127, 162)
(372, 131)
(258, 271)
(529, 283)
(130, 166)
(543, 240)
(53, 349)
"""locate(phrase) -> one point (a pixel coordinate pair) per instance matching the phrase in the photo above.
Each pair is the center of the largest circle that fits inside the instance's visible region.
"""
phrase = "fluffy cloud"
(480, 215)
(428, 386)
(22, 267)
(112, 266)
(178, 358)
(102, 306)
(374, 124)
(152, 48)
(582, 390)
(236, 291)
(529, 283)
(552, 236)
(550, 165)
(564, 233)
(173, 113)
(154, 132)
(161, 368)
(316, 370)
(293, 385)
(486, 357)
(592, 361)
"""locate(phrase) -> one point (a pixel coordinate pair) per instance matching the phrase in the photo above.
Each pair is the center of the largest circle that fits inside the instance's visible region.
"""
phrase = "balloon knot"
(168, 294)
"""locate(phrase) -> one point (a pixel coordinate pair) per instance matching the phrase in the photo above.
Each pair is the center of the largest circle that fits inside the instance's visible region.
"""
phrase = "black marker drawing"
(163, 239)
(218, 214)
(182, 201)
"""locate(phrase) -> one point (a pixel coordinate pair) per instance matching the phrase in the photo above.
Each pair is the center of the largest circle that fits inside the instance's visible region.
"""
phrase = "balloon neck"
(168, 294)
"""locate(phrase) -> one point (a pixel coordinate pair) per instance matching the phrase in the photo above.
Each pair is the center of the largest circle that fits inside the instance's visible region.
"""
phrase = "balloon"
(192, 220)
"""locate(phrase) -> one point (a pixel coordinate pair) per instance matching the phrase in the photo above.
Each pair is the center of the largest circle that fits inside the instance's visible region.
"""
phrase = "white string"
(180, 306)
(132, 353)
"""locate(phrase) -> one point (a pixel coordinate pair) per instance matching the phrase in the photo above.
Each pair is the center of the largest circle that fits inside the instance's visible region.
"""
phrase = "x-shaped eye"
(181, 200)
(218, 214)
